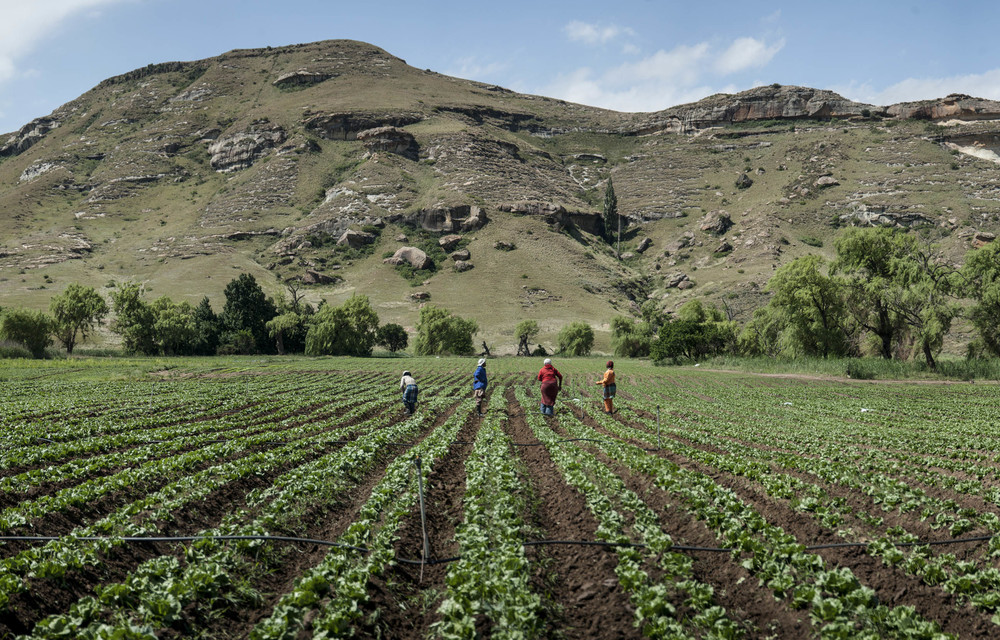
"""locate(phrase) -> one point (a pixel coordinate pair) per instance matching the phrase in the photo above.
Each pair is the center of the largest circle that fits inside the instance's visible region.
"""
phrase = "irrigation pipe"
(530, 543)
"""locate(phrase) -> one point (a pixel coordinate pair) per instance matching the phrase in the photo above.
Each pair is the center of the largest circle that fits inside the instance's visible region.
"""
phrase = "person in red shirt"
(551, 381)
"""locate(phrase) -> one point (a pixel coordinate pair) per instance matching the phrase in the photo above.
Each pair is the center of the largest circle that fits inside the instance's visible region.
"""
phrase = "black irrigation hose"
(531, 543)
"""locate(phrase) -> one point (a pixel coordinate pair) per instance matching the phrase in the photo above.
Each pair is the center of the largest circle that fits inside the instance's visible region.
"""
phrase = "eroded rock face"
(557, 215)
(955, 106)
(241, 150)
(391, 140)
(28, 135)
(416, 257)
(347, 126)
(982, 238)
(302, 77)
(449, 219)
(761, 103)
(862, 215)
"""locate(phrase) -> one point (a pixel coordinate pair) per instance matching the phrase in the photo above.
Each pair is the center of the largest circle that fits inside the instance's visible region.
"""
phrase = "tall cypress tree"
(610, 212)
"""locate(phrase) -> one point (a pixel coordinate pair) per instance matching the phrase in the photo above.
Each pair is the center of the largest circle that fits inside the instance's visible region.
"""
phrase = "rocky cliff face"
(955, 106)
(772, 102)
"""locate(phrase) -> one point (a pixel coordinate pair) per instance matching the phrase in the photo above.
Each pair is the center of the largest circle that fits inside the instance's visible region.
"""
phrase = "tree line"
(887, 293)
(250, 323)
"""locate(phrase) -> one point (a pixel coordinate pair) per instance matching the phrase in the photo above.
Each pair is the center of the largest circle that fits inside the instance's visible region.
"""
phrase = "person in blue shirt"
(479, 383)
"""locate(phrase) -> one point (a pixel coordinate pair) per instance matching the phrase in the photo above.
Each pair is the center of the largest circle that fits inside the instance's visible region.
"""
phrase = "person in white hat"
(551, 381)
(409, 387)
(479, 382)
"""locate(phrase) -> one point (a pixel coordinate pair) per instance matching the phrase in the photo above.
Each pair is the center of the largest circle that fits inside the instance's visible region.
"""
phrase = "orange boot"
(609, 405)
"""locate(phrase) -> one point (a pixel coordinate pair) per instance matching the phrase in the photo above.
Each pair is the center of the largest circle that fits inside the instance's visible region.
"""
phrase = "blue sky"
(628, 55)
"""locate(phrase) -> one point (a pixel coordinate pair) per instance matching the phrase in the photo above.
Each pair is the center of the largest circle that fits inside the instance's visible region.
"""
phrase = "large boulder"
(412, 255)
(449, 242)
(717, 222)
(355, 239)
(311, 276)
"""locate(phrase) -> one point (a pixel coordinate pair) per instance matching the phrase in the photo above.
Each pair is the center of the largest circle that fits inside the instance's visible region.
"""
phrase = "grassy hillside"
(184, 175)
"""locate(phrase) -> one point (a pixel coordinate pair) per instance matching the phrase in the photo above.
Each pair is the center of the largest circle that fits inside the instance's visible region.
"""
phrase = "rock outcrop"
(347, 125)
(448, 219)
(449, 242)
(557, 215)
(717, 222)
(28, 135)
(355, 239)
(301, 78)
(761, 103)
(955, 106)
(241, 150)
(391, 140)
(862, 215)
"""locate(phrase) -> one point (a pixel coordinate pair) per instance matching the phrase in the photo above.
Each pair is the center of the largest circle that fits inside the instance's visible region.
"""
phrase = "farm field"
(281, 498)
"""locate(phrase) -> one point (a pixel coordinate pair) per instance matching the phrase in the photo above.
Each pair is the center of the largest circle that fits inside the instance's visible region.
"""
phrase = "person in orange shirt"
(609, 388)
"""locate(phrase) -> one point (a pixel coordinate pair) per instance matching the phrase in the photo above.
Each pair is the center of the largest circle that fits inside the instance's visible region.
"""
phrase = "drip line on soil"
(530, 543)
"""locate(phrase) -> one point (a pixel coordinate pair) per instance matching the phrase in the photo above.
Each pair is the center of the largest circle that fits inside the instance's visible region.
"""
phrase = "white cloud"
(979, 85)
(745, 53)
(578, 31)
(665, 78)
(681, 64)
(25, 23)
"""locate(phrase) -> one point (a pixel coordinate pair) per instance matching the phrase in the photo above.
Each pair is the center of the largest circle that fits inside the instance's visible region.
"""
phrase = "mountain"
(184, 174)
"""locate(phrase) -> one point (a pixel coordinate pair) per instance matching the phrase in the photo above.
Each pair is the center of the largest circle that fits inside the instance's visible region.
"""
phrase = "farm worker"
(609, 388)
(409, 387)
(551, 381)
(479, 383)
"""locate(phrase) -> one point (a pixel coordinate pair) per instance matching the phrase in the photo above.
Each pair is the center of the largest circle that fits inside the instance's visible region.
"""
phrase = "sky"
(627, 55)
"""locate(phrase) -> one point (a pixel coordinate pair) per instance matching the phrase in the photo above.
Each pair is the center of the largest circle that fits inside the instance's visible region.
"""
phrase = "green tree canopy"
(175, 327)
(441, 333)
(29, 328)
(248, 309)
(208, 328)
(981, 282)
(897, 289)
(135, 319)
(350, 329)
(75, 312)
(576, 339)
(810, 305)
(393, 337)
